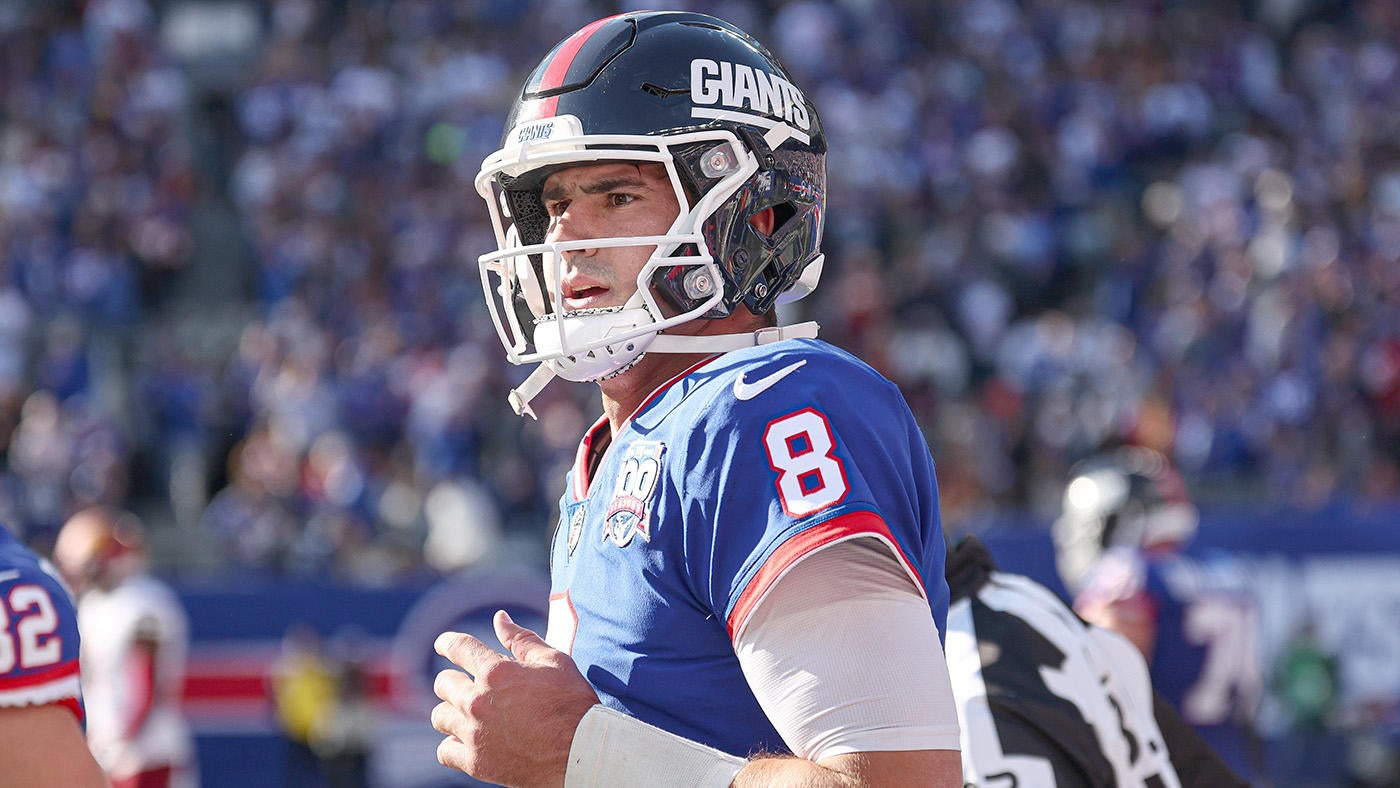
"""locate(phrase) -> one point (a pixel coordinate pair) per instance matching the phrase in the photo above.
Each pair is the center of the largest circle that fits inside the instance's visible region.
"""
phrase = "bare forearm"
(794, 772)
(504, 718)
(934, 768)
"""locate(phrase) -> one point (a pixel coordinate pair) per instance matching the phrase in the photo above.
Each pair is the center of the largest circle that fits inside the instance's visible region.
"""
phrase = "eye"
(620, 199)
(556, 207)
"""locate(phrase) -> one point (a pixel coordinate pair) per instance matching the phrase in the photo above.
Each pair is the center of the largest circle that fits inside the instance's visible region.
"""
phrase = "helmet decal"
(746, 95)
(555, 72)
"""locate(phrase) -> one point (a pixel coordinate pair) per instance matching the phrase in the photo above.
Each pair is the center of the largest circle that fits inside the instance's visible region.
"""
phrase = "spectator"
(1060, 226)
(1305, 682)
(303, 688)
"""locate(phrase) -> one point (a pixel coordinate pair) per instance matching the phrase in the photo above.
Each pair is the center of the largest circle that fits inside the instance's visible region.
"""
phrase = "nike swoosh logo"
(743, 390)
(9, 575)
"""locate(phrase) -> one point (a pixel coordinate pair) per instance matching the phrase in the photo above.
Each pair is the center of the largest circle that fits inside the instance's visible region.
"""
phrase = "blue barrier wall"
(237, 631)
(1339, 568)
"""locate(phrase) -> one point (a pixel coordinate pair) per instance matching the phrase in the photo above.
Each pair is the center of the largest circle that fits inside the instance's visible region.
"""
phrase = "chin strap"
(723, 343)
(520, 396)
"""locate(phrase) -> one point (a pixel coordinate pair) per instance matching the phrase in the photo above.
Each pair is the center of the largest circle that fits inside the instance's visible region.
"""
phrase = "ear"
(763, 222)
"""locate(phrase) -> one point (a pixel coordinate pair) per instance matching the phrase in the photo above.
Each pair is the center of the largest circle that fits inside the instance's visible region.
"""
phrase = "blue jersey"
(38, 632)
(724, 479)
(1205, 658)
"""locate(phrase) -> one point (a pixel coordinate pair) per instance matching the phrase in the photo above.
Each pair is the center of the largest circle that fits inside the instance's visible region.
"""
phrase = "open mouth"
(587, 297)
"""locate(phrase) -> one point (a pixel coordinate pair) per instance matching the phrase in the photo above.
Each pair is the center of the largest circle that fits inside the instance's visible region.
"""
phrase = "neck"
(622, 395)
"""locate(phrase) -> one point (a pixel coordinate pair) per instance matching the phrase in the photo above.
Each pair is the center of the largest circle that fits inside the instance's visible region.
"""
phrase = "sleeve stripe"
(74, 705)
(797, 547)
(60, 671)
(50, 686)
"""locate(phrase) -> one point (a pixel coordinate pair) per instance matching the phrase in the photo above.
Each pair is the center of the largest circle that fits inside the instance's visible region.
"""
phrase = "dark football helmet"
(1130, 497)
(736, 137)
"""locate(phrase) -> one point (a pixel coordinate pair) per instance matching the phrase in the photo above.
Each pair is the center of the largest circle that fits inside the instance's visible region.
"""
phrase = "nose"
(572, 225)
(569, 225)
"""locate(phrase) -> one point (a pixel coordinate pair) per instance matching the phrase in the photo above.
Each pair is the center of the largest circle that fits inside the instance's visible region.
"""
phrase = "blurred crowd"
(1057, 224)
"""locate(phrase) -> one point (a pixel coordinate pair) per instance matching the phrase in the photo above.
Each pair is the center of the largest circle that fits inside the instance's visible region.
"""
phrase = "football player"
(1119, 538)
(41, 705)
(748, 573)
(135, 638)
(1045, 699)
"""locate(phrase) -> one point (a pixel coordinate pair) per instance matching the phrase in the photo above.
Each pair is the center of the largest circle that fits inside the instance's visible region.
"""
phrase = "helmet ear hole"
(764, 222)
(782, 214)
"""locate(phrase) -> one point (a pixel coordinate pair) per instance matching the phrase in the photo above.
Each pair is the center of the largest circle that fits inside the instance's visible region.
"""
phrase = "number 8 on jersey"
(799, 447)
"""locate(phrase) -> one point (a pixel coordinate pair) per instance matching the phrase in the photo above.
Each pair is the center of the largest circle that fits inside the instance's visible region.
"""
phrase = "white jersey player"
(135, 640)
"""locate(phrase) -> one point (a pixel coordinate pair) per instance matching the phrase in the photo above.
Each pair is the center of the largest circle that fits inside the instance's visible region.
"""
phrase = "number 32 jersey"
(722, 481)
(38, 633)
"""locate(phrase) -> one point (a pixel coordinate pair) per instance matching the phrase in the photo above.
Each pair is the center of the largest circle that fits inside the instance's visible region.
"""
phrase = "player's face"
(611, 200)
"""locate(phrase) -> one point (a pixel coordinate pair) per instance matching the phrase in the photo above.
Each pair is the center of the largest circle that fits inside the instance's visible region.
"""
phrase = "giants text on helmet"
(741, 87)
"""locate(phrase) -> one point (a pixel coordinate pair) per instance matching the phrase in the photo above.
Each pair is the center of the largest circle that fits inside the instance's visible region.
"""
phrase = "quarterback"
(747, 576)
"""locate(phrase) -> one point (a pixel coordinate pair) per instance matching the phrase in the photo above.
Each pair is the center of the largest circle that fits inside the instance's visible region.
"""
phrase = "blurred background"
(238, 296)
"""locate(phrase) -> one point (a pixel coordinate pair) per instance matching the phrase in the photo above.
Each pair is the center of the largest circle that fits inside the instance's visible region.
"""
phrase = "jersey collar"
(582, 480)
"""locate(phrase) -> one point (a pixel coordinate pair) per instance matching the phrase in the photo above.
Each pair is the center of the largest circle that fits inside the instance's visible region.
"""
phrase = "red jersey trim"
(73, 705)
(581, 480)
(60, 671)
(799, 546)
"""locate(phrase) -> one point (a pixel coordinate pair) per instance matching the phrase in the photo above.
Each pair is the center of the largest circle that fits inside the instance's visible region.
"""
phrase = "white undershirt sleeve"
(843, 656)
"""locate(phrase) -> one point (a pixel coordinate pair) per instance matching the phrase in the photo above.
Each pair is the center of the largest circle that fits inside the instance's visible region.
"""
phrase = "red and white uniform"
(135, 726)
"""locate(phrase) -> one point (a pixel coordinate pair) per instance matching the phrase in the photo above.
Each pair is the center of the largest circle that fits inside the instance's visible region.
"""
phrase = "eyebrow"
(602, 186)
